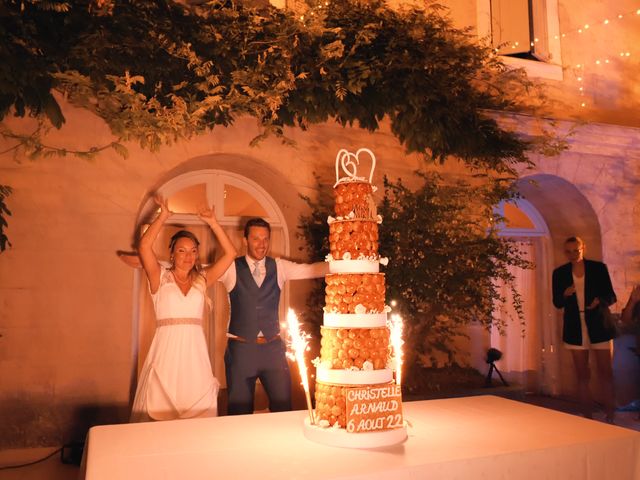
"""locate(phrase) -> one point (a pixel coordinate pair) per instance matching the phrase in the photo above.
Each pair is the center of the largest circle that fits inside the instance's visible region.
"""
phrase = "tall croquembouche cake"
(358, 401)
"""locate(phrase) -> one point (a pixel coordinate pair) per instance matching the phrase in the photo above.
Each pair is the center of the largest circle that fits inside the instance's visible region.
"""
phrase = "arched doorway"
(235, 198)
(567, 212)
(527, 346)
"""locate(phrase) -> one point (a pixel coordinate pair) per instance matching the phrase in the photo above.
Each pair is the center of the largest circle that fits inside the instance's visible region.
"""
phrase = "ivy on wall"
(158, 72)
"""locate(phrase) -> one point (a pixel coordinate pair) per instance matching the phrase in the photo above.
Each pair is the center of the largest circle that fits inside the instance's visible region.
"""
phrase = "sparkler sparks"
(395, 337)
(299, 345)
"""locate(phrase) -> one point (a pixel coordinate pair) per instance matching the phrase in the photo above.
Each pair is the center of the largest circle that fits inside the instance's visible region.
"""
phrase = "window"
(526, 33)
(189, 200)
(238, 203)
(516, 218)
(518, 28)
(234, 198)
(521, 219)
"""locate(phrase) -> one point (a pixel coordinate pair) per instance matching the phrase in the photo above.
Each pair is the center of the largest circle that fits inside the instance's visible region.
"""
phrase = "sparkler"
(395, 337)
(299, 345)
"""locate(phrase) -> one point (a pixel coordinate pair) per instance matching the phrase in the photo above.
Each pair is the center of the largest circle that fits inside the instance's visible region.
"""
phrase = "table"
(481, 437)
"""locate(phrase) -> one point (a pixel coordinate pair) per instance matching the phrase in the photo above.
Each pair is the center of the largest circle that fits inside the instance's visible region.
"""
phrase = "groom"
(255, 348)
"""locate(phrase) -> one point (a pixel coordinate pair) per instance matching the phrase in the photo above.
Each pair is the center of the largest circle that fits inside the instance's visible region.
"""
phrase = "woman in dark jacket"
(582, 288)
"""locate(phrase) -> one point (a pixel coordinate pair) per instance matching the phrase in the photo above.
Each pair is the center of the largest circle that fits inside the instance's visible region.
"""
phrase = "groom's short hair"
(256, 222)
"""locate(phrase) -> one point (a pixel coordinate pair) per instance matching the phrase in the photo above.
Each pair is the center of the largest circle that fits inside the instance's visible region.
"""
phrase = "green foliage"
(443, 382)
(5, 191)
(444, 258)
(157, 71)
(314, 230)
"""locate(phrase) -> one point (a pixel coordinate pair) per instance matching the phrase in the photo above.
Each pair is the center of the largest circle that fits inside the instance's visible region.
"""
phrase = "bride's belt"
(162, 322)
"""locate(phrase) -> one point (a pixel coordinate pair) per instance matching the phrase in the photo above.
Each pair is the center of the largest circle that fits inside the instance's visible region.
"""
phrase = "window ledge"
(534, 68)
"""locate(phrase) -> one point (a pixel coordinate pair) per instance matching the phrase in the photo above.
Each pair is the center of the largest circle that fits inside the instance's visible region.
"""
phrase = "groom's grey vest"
(253, 308)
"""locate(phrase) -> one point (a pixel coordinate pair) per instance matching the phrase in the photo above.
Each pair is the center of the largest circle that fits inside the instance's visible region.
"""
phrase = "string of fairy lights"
(580, 69)
(304, 9)
(598, 61)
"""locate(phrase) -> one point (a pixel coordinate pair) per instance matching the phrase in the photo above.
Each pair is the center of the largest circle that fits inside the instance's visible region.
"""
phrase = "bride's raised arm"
(218, 268)
(145, 247)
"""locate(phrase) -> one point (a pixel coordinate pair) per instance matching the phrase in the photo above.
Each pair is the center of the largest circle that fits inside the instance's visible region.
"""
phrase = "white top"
(170, 302)
(578, 282)
(287, 270)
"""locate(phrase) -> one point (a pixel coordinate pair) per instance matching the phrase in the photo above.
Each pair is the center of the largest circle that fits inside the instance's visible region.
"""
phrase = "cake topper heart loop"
(348, 162)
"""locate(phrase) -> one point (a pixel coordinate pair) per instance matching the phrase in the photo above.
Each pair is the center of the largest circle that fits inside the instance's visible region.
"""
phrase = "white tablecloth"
(483, 437)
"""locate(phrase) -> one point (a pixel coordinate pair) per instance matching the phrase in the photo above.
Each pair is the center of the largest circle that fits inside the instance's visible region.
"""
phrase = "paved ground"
(50, 469)
(627, 419)
(54, 469)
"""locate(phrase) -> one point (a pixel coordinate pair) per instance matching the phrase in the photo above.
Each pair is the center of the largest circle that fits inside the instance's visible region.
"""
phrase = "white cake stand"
(338, 437)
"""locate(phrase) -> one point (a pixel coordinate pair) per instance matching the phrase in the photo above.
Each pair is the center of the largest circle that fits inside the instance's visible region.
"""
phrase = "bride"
(176, 380)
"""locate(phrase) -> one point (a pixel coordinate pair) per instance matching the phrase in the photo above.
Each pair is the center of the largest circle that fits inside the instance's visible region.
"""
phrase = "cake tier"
(354, 197)
(354, 266)
(343, 348)
(358, 238)
(339, 437)
(353, 377)
(354, 293)
(332, 402)
(355, 320)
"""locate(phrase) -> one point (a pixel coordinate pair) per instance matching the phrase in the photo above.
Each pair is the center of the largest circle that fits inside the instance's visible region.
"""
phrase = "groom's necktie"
(256, 273)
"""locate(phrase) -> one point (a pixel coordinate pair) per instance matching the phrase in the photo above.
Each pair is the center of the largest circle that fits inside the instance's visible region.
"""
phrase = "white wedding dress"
(176, 380)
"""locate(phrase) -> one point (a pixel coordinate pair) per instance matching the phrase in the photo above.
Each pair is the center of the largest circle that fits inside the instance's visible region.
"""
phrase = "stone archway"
(566, 212)
(238, 188)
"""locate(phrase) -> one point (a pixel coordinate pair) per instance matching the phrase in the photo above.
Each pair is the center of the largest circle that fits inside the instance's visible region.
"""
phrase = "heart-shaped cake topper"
(348, 162)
